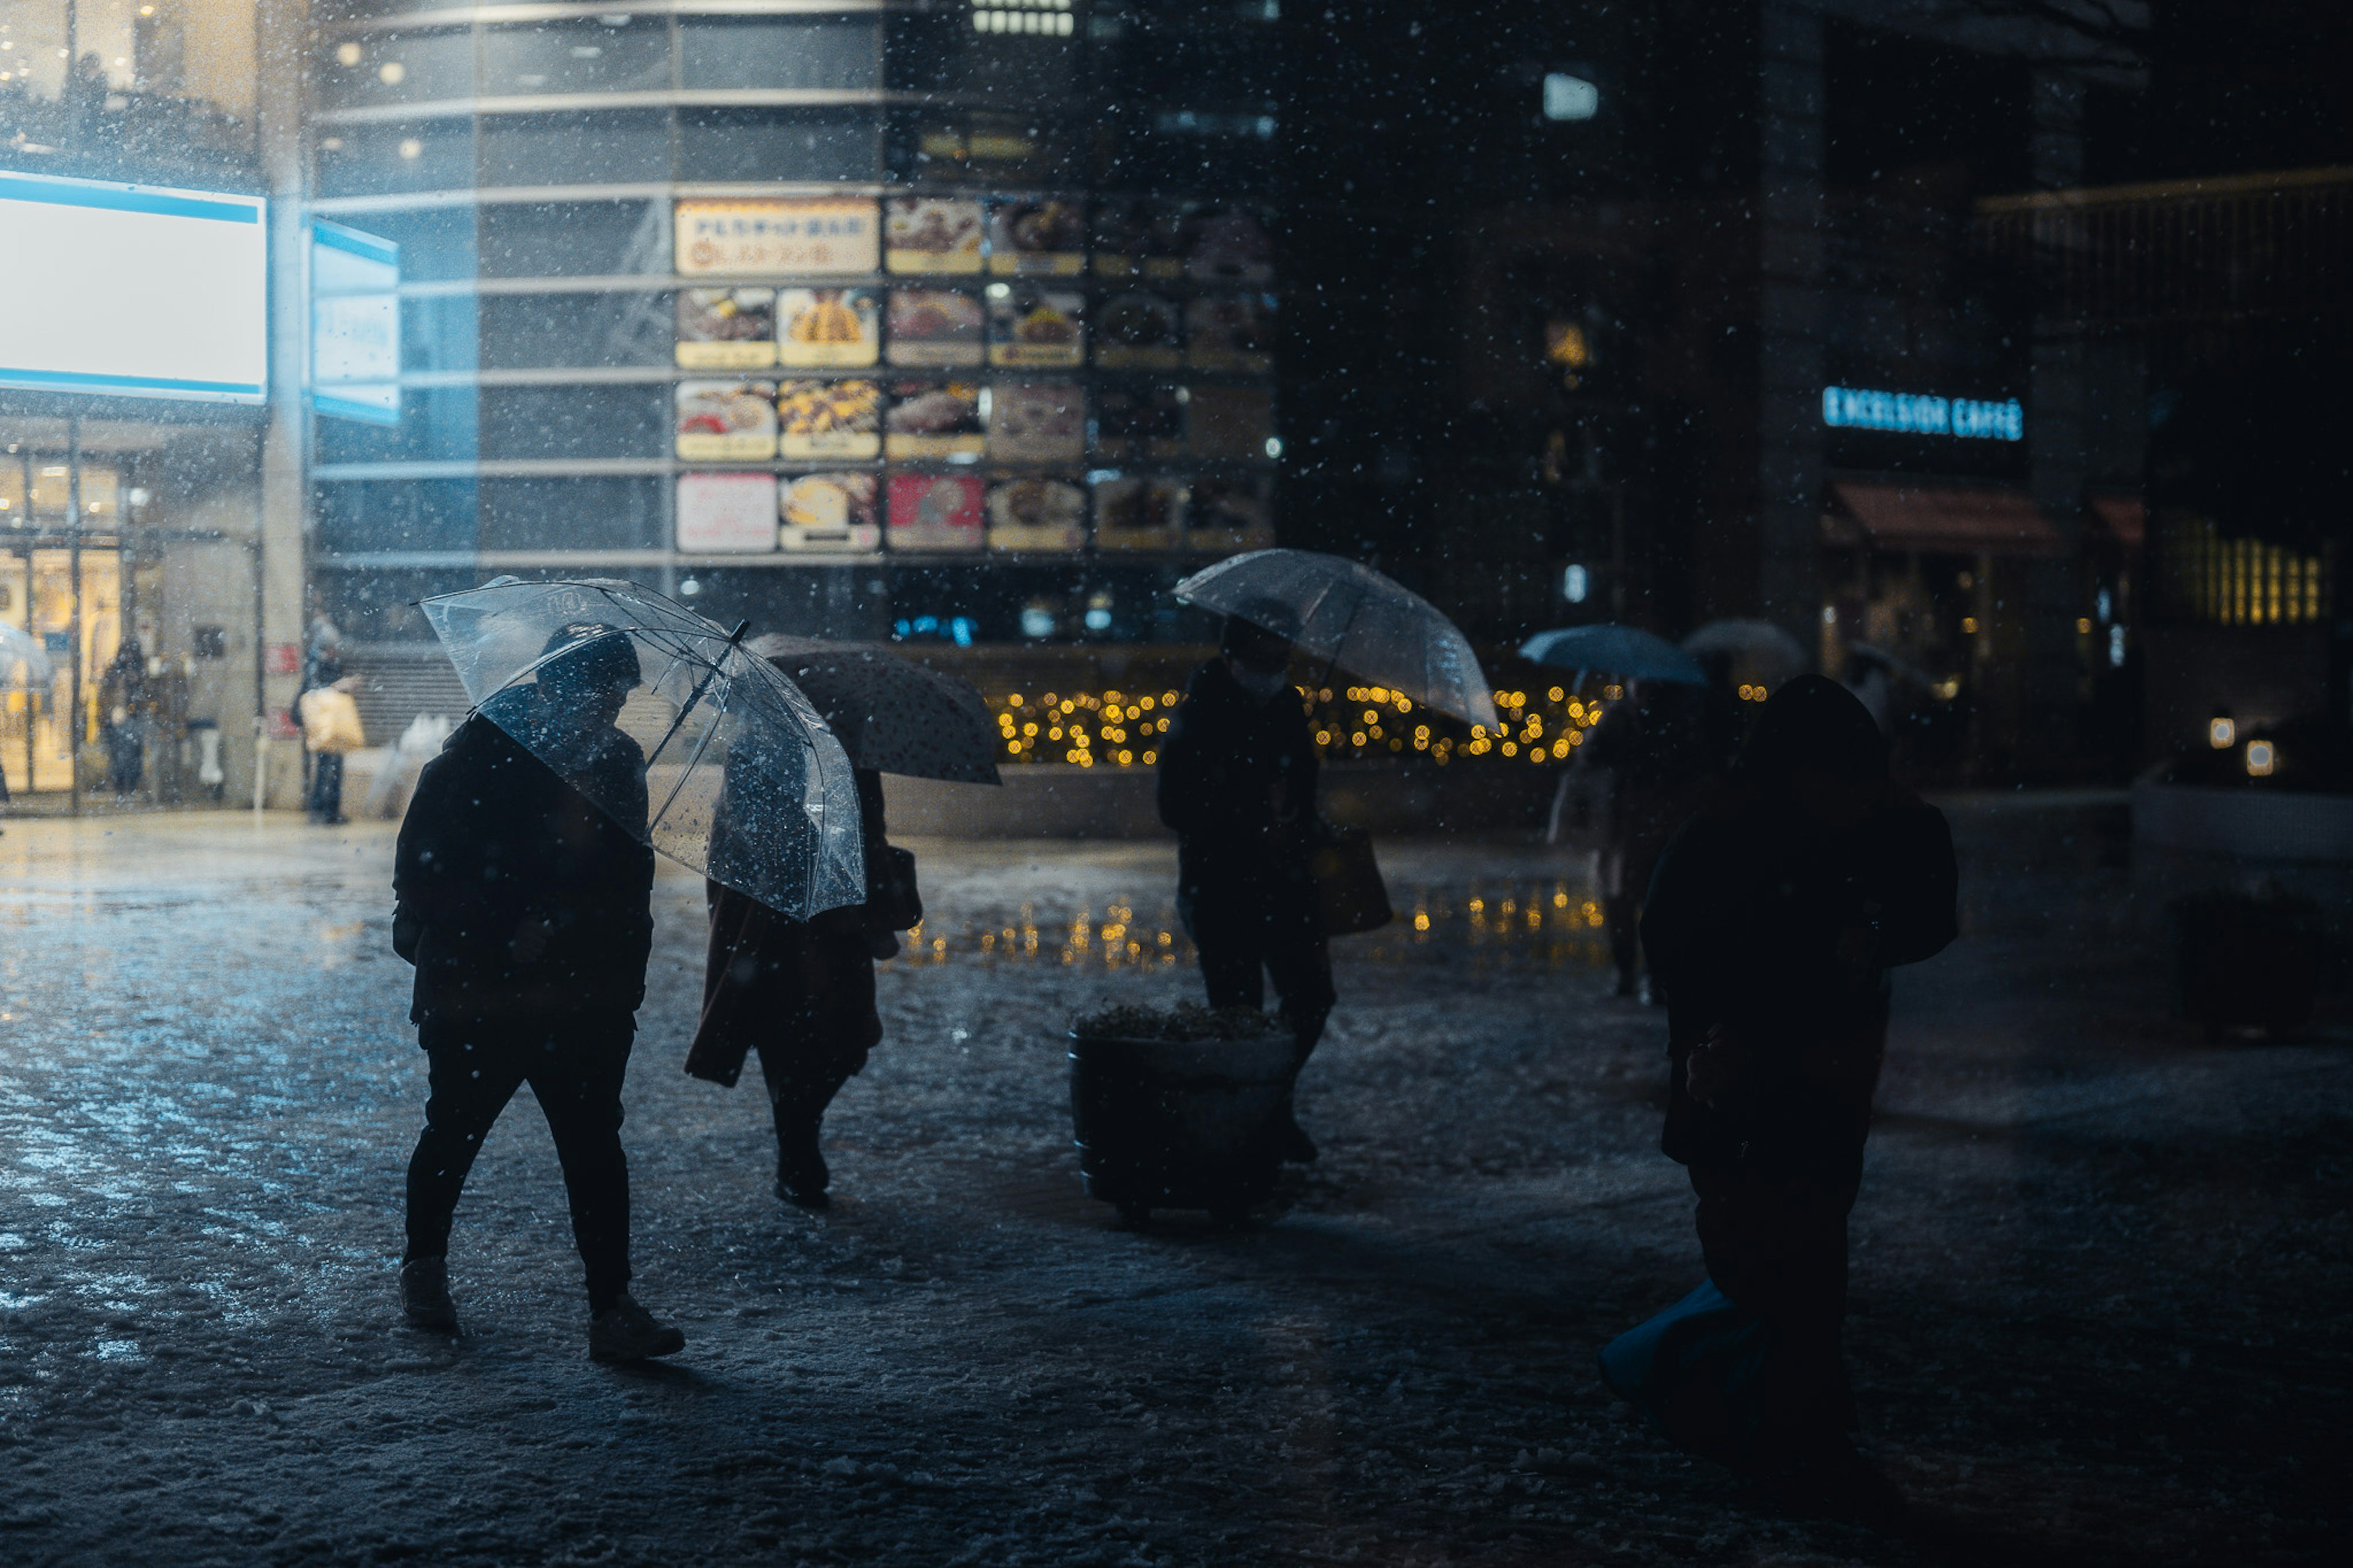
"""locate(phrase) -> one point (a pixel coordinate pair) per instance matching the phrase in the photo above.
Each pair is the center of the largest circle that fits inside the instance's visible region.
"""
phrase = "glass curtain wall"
(857, 319)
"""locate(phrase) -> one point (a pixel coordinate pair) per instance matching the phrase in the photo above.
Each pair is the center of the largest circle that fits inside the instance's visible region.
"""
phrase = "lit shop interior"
(955, 327)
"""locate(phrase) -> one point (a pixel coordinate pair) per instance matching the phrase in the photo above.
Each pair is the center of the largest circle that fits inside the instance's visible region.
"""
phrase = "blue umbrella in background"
(1628, 653)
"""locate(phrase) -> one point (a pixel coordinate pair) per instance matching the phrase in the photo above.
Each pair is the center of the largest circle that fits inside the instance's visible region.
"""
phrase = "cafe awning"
(1937, 520)
(2125, 517)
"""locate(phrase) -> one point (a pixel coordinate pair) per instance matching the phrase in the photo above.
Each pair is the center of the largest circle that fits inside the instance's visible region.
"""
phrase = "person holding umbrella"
(800, 993)
(525, 907)
(1237, 769)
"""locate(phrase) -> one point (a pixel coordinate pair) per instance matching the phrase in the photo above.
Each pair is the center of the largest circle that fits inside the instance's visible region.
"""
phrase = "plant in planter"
(1173, 1108)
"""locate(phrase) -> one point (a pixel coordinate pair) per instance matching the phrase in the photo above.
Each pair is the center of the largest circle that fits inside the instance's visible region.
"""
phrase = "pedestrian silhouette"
(527, 912)
(1773, 919)
(1238, 786)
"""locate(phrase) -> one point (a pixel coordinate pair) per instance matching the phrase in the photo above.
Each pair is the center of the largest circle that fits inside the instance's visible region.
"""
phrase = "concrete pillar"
(2060, 442)
(281, 29)
(1789, 317)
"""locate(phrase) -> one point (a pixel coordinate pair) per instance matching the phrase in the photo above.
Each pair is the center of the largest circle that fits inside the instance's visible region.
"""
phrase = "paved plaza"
(2100, 1265)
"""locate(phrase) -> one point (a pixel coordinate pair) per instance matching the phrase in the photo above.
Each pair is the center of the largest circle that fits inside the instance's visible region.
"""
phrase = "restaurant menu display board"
(935, 512)
(932, 233)
(1229, 424)
(827, 327)
(1136, 330)
(1036, 515)
(934, 327)
(1037, 422)
(726, 420)
(830, 512)
(726, 329)
(1042, 238)
(1034, 327)
(772, 237)
(829, 419)
(1226, 513)
(1231, 333)
(1139, 422)
(933, 419)
(727, 513)
(1137, 238)
(1139, 512)
(1229, 246)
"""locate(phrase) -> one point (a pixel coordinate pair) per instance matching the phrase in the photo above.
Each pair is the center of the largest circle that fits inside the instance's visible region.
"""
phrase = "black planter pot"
(1179, 1124)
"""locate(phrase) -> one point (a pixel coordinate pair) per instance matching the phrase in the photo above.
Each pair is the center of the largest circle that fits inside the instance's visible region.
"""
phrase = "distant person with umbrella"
(1774, 919)
(524, 903)
(1238, 787)
(800, 993)
(1238, 769)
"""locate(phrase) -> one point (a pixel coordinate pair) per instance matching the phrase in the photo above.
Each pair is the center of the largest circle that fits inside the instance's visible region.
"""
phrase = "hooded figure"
(526, 908)
(1238, 786)
(1772, 921)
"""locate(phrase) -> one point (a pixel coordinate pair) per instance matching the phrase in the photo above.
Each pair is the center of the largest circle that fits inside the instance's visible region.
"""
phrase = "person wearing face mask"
(1773, 921)
(526, 908)
(1238, 786)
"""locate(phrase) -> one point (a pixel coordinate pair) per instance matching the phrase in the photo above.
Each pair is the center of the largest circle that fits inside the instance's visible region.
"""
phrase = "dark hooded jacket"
(1743, 928)
(1226, 757)
(518, 897)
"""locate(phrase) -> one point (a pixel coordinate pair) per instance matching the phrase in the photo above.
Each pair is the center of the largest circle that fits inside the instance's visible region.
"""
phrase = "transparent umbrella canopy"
(24, 662)
(1349, 615)
(743, 779)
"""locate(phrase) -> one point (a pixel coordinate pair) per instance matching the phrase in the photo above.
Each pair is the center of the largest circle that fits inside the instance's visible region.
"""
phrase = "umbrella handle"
(1345, 626)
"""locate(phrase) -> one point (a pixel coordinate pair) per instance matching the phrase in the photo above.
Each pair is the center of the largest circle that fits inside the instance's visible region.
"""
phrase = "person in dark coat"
(801, 994)
(526, 908)
(1774, 919)
(1238, 786)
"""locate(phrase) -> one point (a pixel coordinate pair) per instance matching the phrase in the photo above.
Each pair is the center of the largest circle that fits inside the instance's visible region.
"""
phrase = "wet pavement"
(2100, 1274)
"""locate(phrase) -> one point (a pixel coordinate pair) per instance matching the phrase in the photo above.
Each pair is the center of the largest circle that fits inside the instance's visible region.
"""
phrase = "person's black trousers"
(574, 1067)
(1249, 933)
(327, 787)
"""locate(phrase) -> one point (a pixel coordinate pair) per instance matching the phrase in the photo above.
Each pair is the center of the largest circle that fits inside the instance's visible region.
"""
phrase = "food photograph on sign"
(827, 327)
(829, 419)
(826, 235)
(1137, 238)
(1229, 513)
(935, 512)
(1135, 512)
(1230, 331)
(1036, 515)
(1138, 421)
(1229, 423)
(1033, 327)
(726, 329)
(727, 513)
(1136, 330)
(1228, 245)
(933, 419)
(1045, 237)
(726, 420)
(1037, 422)
(934, 327)
(829, 511)
(932, 233)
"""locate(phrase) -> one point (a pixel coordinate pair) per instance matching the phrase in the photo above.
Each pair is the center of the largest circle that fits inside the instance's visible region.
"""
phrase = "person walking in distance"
(1238, 786)
(527, 912)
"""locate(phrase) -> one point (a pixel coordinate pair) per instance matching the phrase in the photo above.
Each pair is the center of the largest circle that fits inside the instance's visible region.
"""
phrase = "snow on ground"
(2100, 1275)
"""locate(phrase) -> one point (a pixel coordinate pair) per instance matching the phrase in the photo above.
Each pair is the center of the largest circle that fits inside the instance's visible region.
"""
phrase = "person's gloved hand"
(530, 939)
(1712, 1067)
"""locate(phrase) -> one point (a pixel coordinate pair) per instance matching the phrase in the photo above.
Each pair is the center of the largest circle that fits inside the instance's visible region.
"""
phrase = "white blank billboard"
(133, 291)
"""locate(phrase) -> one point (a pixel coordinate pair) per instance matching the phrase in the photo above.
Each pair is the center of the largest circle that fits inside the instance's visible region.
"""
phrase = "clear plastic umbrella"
(1351, 615)
(1759, 647)
(24, 662)
(892, 715)
(742, 778)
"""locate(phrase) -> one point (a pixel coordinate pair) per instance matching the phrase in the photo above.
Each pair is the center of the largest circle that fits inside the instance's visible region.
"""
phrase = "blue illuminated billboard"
(1923, 414)
(133, 291)
(354, 324)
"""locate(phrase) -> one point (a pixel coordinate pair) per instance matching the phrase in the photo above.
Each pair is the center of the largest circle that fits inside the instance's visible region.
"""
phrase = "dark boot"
(801, 1175)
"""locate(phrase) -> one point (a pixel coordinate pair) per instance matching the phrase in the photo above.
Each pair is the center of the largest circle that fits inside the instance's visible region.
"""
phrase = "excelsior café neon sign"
(1922, 414)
